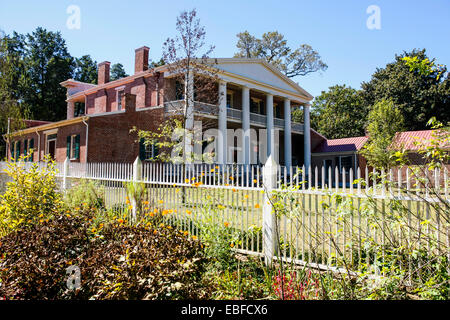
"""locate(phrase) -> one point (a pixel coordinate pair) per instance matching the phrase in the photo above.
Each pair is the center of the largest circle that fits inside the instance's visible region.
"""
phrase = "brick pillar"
(70, 109)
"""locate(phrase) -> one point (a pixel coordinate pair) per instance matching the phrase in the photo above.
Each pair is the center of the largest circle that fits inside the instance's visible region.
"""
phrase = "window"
(119, 99)
(15, 150)
(79, 109)
(277, 110)
(257, 106)
(230, 96)
(179, 91)
(28, 146)
(147, 151)
(73, 147)
(345, 162)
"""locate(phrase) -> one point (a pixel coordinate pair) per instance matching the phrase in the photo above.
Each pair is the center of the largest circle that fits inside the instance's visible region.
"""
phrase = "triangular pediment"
(258, 70)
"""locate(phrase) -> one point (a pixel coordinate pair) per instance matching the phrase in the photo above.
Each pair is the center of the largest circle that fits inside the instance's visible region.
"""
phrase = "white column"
(246, 123)
(222, 133)
(287, 134)
(307, 137)
(270, 127)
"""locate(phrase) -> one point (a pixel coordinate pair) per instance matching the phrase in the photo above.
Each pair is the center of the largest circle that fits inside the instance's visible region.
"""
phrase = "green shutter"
(141, 149)
(25, 148)
(31, 147)
(17, 151)
(77, 146)
(155, 150)
(68, 147)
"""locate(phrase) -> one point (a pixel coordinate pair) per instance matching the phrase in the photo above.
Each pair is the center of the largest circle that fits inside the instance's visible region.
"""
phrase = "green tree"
(274, 49)
(419, 95)
(337, 113)
(117, 72)
(47, 64)
(385, 119)
(11, 112)
(85, 70)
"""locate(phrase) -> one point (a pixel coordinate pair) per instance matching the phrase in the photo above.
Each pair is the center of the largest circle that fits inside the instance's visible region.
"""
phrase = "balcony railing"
(235, 114)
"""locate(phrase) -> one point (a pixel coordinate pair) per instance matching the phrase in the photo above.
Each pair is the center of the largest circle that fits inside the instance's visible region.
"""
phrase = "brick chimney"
(103, 72)
(129, 101)
(141, 59)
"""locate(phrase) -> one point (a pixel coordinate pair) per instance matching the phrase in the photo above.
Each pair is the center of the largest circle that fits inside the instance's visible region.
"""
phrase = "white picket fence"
(322, 218)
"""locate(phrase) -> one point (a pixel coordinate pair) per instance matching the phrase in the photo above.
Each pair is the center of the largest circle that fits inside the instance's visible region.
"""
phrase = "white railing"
(323, 215)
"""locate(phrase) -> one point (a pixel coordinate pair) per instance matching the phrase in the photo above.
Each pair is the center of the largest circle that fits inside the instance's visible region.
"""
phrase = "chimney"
(103, 72)
(141, 59)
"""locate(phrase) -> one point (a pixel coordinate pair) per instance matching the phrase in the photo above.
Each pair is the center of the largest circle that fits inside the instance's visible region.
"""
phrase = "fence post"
(137, 176)
(269, 217)
(65, 173)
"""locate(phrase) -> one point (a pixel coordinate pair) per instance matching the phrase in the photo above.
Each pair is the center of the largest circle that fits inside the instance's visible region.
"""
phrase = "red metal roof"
(340, 145)
(409, 139)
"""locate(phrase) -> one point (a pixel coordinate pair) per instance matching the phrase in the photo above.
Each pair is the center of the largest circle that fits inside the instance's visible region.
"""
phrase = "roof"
(409, 140)
(35, 123)
(214, 63)
(341, 145)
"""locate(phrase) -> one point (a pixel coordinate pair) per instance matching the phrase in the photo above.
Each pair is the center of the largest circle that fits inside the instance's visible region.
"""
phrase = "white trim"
(52, 131)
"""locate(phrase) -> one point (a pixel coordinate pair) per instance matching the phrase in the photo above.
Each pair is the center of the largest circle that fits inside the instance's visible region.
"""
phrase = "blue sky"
(111, 30)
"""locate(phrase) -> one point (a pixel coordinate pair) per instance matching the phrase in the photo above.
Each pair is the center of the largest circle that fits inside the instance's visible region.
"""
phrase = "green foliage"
(417, 88)
(384, 121)
(339, 112)
(87, 192)
(116, 262)
(85, 70)
(117, 72)
(274, 49)
(31, 196)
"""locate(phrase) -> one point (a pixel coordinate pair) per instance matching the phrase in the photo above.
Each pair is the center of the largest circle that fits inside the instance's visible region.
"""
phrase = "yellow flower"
(161, 201)
(93, 230)
(257, 206)
(246, 196)
(231, 178)
(130, 207)
(217, 167)
(234, 190)
(226, 224)
(186, 180)
(194, 238)
(146, 203)
(186, 233)
(220, 206)
(212, 170)
(232, 245)
(193, 178)
(188, 211)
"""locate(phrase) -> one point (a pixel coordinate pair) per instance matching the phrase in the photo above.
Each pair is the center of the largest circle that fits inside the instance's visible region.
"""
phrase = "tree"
(337, 113)
(117, 72)
(186, 59)
(274, 49)
(47, 64)
(85, 70)
(10, 111)
(418, 95)
(385, 119)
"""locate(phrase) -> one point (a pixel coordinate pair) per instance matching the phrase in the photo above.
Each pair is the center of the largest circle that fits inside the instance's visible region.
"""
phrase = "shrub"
(31, 196)
(89, 192)
(116, 261)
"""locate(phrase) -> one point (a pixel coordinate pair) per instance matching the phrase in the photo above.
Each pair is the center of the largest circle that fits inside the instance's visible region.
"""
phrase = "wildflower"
(130, 207)
(161, 201)
(226, 224)
(161, 225)
(255, 181)
(155, 232)
(120, 221)
(146, 203)
(234, 190)
(186, 180)
(220, 206)
(188, 211)
(185, 233)
(232, 245)
(257, 206)
(212, 170)
(231, 178)
(194, 238)
(68, 215)
(193, 178)
(246, 196)
(93, 230)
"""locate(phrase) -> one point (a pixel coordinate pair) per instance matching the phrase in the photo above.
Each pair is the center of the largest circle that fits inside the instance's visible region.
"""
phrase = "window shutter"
(31, 147)
(155, 150)
(17, 151)
(68, 147)
(77, 146)
(25, 148)
(141, 149)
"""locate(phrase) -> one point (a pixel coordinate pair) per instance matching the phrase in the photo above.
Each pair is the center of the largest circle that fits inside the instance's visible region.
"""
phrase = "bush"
(31, 196)
(87, 192)
(116, 261)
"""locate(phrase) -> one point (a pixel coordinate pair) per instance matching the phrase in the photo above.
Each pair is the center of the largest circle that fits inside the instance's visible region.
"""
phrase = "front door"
(52, 148)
